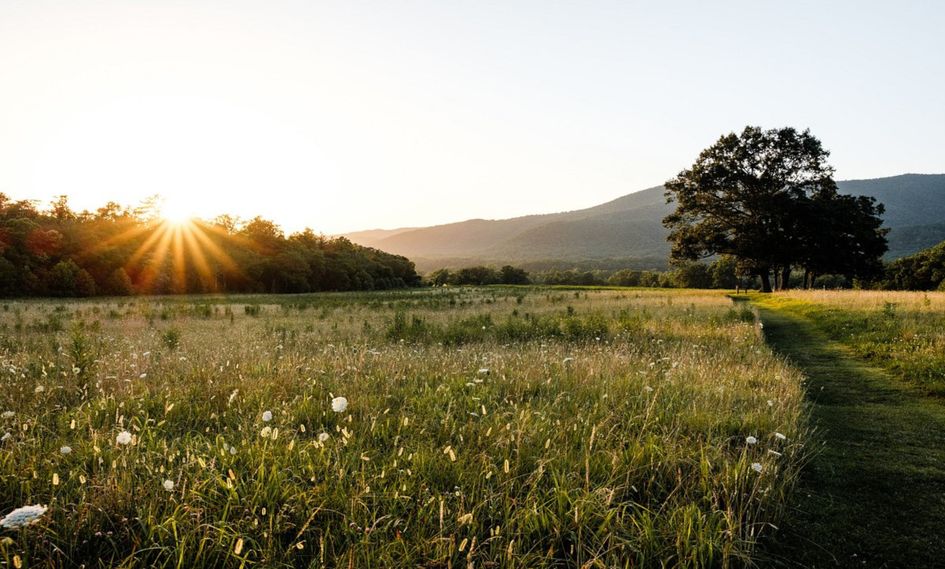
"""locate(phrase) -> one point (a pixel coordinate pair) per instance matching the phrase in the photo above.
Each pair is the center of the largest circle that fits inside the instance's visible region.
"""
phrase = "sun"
(176, 212)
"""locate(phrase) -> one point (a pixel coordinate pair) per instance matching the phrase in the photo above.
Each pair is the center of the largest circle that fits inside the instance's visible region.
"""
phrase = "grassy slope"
(874, 496)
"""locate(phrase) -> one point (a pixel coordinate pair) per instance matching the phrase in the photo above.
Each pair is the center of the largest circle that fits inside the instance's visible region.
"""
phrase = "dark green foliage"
(119, 251)
(571, 277)
(768, 198)
(923, 271)
(691, 275)
(475, 276)
(513, 275)
(479, 275)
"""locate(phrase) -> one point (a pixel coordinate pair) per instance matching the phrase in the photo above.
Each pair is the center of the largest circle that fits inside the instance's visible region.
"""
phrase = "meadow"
(492, 427)
(901, 332)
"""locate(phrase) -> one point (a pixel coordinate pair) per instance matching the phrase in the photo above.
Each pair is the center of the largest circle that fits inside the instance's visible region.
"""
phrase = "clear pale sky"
(353, 115)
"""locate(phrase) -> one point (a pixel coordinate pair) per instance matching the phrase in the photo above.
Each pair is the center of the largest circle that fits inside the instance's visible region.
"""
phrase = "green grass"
(872, 496)
(901, 332)
(498, 427)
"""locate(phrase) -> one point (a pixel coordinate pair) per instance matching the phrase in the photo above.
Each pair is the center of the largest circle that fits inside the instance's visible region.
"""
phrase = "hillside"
(630, 227)
(924, 270)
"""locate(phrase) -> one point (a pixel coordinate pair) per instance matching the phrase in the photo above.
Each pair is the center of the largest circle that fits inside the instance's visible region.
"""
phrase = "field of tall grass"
(903, 332)
(518, 427)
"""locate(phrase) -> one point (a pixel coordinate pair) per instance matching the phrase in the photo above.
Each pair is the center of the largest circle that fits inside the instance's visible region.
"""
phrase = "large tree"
(768, 199)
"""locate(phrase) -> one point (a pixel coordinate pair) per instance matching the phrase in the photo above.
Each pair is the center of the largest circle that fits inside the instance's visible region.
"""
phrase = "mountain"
(629, 230)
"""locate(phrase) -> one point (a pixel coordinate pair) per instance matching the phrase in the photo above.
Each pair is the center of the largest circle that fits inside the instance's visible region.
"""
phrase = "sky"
(351, 115)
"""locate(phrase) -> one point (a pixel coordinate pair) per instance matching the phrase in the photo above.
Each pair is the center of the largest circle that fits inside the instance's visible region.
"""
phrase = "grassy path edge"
(873, 494)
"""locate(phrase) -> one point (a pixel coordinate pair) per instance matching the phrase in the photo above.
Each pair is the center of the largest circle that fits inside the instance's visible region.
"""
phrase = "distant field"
(518, 427)
(903, 332)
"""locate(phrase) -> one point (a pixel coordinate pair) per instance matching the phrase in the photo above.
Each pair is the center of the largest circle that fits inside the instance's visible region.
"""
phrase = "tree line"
(720, 273)
(120, 250)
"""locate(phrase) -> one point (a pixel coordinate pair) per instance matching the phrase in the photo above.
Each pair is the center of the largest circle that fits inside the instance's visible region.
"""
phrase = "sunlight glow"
(176, 211)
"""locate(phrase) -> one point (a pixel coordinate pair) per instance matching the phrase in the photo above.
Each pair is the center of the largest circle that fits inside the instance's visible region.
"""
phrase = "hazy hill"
(630, 227)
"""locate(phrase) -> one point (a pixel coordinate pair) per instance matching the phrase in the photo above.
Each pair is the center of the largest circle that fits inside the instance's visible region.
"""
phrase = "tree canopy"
(923, 271)
(768, 199)
(118, 250)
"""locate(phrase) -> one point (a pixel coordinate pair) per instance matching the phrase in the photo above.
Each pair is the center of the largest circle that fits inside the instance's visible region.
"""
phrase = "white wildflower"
(751, 440)
(8, 414)
(39, 389)
(21, 517)
(66, 449)
(484, 371)
(322, 437)
(265, 432)
(780, 437)
(756, 466)
(267, 416)
(123, 438)
(169, 485)
(339, 404)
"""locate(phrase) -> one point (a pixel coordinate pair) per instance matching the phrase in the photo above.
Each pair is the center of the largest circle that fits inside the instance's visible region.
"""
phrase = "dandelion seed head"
(267, 416)
(123, 438)
(756, 466)
(169, 485)
(8, 414)
(751, 440)
(65, 449)
(322, 437)
(339, 404)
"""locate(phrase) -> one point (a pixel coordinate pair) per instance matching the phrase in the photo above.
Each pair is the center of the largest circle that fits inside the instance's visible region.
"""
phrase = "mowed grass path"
(874, 494)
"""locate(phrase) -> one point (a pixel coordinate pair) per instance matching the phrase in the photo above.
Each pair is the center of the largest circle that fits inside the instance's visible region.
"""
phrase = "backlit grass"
(484, 428)
(903, 332)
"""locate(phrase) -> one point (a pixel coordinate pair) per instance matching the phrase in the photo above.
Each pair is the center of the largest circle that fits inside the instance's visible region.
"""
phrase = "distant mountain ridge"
(630, 227)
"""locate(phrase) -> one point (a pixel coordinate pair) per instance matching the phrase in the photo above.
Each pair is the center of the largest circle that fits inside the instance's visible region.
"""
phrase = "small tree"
(513, 275)
(439, 277)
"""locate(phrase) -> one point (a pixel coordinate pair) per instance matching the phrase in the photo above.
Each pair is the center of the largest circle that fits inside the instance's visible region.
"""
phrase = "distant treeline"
(118, 250)
(718, 274)
(923, 271)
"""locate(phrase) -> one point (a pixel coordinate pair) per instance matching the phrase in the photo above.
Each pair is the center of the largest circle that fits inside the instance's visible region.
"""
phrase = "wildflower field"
(493, 427)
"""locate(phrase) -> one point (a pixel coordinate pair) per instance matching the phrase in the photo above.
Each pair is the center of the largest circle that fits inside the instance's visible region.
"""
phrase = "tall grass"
(485, 428)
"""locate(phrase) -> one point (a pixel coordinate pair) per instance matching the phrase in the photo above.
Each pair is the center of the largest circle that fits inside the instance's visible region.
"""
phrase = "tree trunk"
(785, 278)
(765, 280)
